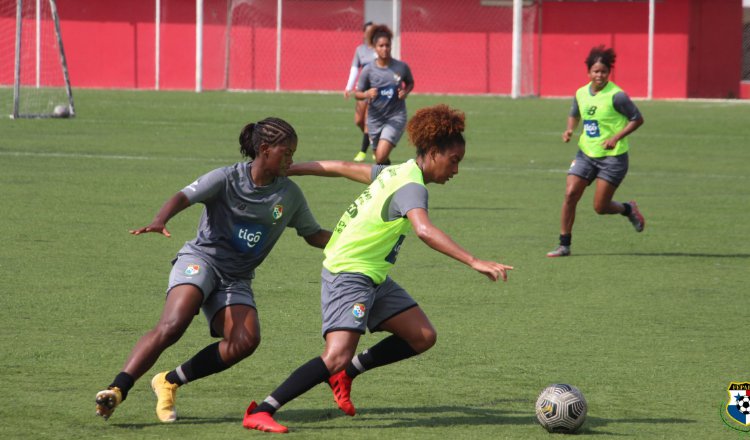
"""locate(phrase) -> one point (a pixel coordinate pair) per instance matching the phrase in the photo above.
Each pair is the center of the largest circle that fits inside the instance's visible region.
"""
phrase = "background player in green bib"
(608, 117)
(248, 205)
(356, 292)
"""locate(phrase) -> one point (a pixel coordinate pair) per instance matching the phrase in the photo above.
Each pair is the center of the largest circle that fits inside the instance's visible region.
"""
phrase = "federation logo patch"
(358, 311)
(591, 128)
(278, 211)
(738, 406)
(192, 269)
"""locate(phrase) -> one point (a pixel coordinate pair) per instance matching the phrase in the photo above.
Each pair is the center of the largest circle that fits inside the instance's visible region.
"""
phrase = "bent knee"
(427, 340)
(601, 209)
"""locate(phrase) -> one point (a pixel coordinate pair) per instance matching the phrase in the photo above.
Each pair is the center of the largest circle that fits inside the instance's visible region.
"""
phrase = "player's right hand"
(492, 270)
(162, 229)
(567, 134)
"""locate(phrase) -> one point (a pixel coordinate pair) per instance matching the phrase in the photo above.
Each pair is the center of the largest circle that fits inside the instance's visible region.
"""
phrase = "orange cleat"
(261, 421)
(341, 384)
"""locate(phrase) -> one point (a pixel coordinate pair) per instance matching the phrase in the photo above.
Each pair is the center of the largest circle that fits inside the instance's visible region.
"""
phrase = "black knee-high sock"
(124, 382)
(205, 363)
(301, 381)
(389, 350)
(365, 142)
(628, 209)
(566, 239)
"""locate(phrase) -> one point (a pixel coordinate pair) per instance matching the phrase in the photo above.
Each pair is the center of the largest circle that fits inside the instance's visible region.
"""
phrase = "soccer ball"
(743, 405)
(561, 408)
(61, 111)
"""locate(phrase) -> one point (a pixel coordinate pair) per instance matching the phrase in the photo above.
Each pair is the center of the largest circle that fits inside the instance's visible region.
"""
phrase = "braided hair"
(270, 131)
(439, 127)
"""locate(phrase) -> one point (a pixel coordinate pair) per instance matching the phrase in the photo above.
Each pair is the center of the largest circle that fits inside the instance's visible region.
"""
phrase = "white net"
(451, 47)
(31, 65)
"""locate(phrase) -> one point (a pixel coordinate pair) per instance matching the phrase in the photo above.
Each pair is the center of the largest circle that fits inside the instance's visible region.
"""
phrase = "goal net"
(33, 71)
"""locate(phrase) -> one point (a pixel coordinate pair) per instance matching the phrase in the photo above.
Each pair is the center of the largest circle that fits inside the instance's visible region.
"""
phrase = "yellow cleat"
(165, 395)
(106, 402)
(360, 157)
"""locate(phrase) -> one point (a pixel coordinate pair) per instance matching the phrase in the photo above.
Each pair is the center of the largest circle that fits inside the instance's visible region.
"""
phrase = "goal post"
(41, 83)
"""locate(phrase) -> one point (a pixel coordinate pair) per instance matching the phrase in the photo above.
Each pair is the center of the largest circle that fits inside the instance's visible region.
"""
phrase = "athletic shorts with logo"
(351, 301)
(217, 292)
(610, 168)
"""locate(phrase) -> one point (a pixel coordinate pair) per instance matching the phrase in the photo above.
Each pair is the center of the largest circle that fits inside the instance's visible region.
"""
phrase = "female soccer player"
(608, 117)
(356, 291)
(247, 207)
(363, 55)
(385, 83)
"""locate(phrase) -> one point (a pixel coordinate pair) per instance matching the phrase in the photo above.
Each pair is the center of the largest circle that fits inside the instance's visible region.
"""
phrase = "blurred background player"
(363, 55)
(247, 207)
(356, 292)
(385, 83)
(608, 117)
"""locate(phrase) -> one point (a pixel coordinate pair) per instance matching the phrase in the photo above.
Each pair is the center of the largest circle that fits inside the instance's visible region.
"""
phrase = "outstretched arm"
(441, 242)
(318, 239)
(359, 172)
(171, 207)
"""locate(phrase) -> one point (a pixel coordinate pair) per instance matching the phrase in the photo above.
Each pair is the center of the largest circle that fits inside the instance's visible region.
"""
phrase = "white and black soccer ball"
(743, 404)
(61, 111)
(561, 408)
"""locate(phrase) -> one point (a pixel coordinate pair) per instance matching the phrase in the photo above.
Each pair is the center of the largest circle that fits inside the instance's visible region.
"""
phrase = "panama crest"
(192, 269)
(358, 311)
(738, 406)
(278, 211)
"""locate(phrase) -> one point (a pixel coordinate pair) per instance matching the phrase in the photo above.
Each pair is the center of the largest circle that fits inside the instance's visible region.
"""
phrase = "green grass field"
(649, 326)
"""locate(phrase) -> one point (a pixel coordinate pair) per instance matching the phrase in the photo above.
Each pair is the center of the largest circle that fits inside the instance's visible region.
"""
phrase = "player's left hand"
(402, 94)
(609, 144)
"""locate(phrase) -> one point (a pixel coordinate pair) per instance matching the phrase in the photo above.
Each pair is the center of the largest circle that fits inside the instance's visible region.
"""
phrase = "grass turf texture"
(649, 326)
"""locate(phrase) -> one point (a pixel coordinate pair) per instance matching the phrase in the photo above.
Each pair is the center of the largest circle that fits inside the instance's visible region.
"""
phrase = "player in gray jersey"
(364, 54)
(247, 207)
(385, 83)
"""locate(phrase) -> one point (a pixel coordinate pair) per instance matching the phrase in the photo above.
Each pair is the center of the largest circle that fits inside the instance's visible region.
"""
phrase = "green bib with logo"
(600, 121)
(364, 241)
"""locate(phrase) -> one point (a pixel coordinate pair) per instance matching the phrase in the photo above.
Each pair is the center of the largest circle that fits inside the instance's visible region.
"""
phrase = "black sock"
(299, 382)
(365, 142)
(205, 363)
(565, 239)
(124, 382)
(389, 350)
(628, 209)
(385, 162)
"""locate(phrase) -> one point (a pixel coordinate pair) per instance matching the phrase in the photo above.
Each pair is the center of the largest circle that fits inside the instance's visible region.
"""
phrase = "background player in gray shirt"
(364, 54)
(386, 83)
(247, 207)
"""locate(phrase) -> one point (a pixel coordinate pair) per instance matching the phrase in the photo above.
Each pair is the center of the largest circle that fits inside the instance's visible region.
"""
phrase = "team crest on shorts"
(738, 406)
(278, 211)
(192, 269)
(358, 311)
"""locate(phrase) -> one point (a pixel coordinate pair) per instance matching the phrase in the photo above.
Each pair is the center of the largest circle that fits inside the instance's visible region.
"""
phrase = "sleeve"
(575, 112)
(406, 198)
(206, 187)
(408, 78)
(352, 77)
(303, 220)
(376, 169)
(364, 79)
(625, 106)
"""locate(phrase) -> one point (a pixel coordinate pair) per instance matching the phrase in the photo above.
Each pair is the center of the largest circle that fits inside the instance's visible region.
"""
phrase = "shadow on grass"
(661, 254)
(417, 417)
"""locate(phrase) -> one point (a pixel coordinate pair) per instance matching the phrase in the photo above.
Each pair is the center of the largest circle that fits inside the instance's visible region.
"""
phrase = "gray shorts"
(610, 168)
(351, 301)
(217, 292)
(391, 131)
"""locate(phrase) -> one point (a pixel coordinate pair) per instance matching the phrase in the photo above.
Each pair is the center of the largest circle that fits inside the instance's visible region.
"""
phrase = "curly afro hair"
(600, 54)
(378, 31)
(439, 127)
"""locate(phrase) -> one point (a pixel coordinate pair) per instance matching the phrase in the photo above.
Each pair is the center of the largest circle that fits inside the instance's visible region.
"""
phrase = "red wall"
(110, 43)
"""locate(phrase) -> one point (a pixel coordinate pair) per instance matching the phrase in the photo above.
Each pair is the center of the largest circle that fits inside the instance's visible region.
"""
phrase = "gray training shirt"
(363, 56)
(387, 80)
(241, 222)
(406, 198)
